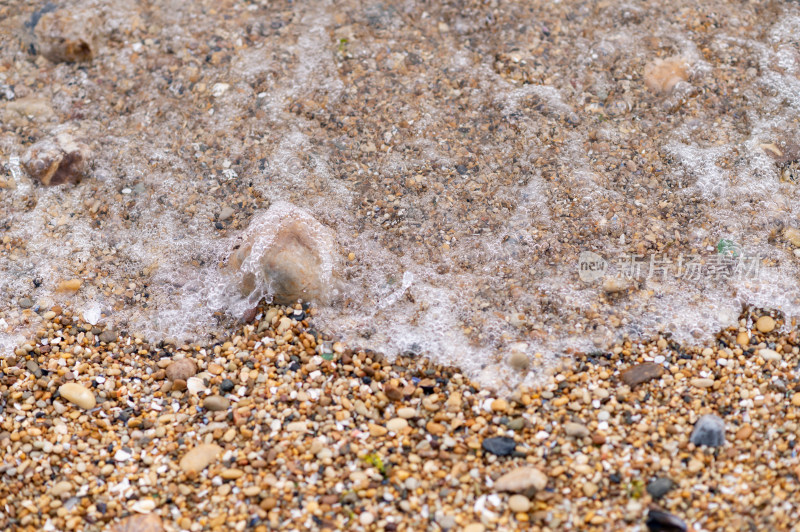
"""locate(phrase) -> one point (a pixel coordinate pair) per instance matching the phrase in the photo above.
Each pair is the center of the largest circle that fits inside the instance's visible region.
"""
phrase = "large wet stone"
(57, 160)
(709, 430)
(200, 457)
(285, 254)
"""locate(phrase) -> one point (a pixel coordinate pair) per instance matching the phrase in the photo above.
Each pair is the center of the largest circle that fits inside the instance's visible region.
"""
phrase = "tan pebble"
(474, 527)
(396, 424)
(78, 395)
(215, 369)
(702, 383)
(143, 506)
(796, 399)
(576, 430)
(216, 403)
(769, 355)
(598, 438)
(434, 428)
(376, 430)
(521, 479)
(499, 405)
(744, 432)
(765, 324)
(60, 488)
(297, 426)
(200, 457)
(590, 489)
(743, 339)
(251, 491)
(150, 522)
(269, 503)
(231, 474)
(695, 465)
(519, 503)
(406, 412)
(72, 285)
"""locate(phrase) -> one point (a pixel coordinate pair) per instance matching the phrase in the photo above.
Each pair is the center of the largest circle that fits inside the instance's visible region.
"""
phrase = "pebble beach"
(281, 429)
(398, 266)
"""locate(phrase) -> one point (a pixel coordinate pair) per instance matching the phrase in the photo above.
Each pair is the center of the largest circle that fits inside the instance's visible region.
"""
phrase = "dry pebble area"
(281, 429)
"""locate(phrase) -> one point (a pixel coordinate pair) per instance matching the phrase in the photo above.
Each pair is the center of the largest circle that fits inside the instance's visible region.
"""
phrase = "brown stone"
(393, 392)
(67, 35)
(181, 369)
(641, 373)
(57, 160)
(744, 432)
(139, 523)
(436, 429)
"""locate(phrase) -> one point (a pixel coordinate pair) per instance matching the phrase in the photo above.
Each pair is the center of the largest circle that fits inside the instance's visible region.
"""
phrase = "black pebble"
(500, 446)
(226, 386)
(660, 521)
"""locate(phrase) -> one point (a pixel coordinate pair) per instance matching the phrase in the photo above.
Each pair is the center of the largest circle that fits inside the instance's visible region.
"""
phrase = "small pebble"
(709, 430)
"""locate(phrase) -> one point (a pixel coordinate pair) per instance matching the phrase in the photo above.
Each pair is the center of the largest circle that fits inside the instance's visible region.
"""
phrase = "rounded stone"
(765, 324)
(709, 430)
(521, 479)
(519, 504)
(181, 369)
(216, 403)
(78, 395)
(576, 430)
(406, 412)
(659, 487)
(200, 457)
(396, 424)
(519, 361)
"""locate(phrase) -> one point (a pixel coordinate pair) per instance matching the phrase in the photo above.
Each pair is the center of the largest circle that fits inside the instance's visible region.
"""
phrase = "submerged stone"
(57, 160)
(287, 255)
(66, 35)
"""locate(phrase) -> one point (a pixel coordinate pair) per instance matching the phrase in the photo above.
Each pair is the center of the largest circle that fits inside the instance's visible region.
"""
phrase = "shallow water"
(465, 155)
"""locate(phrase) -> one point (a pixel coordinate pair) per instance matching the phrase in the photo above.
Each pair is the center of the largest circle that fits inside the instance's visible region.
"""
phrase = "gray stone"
(25, 302)
(108, 336)
(709, 430)
(34, 368)
(576, 430)
(659, 487)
